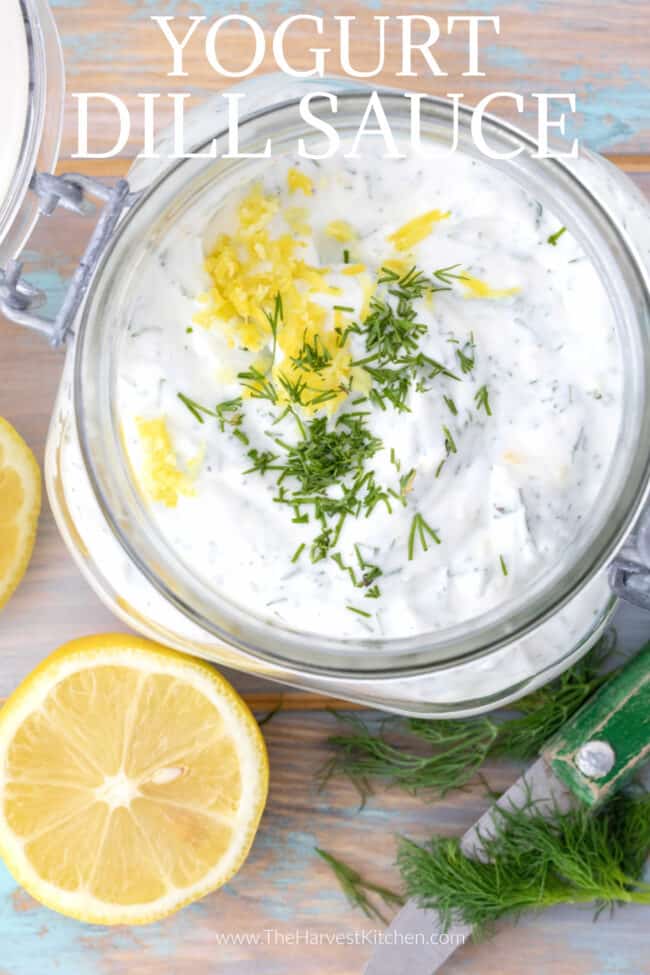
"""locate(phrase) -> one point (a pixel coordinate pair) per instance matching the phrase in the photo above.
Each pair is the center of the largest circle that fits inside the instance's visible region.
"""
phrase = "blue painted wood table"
(284, 913)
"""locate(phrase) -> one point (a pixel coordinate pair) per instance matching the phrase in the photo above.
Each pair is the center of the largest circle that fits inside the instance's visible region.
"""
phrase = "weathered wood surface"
(598, 50)
(286, 891)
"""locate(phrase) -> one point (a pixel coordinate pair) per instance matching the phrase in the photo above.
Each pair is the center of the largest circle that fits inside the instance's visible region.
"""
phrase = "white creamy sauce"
(504, 493)
(14, 84)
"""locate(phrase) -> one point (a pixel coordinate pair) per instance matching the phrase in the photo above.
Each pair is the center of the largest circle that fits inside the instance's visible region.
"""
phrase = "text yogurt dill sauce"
(525, 452)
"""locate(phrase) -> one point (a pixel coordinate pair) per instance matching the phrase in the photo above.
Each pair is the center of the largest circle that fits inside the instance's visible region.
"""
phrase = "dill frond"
(456, 749)
(356, 889)
(532, 862)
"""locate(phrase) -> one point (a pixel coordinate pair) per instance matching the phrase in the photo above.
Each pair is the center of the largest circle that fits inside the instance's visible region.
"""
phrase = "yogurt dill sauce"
(372, 397)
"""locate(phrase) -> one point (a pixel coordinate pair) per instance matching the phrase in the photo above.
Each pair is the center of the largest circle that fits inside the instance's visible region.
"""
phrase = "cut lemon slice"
(132, 780)
(20, 504)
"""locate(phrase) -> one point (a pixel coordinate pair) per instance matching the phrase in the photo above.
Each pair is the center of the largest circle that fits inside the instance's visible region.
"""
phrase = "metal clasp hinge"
(629, 573)
(18, 297)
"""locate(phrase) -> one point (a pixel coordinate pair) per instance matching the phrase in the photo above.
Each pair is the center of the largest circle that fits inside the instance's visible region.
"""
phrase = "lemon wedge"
(132, 780)
(20, 505)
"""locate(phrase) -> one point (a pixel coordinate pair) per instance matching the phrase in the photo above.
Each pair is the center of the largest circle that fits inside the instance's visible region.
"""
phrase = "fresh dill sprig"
(504, 567)
(439, 755)
(359, 612)
(482, 400)
(456, 752)
(356, 889)
(421, 530)
(553, 239)
(534, 861)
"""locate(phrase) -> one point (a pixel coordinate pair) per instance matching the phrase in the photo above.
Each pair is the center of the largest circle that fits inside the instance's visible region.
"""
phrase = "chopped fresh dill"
(450, 443)
(195, 408)
(241, 436)
(421, 530)
(553, 239)
(467, 355)
(262, 461)
(439, 468)
(504, 567)
(346, 256)
(294, 388)
(338, 558)
(406, 482)
(356, 889)
(451, 406)
(347, 308)
(227, 412)
(481, 398)
(274, 319)
(296, 555)
(360, 612)
(313, 356)
(259, 386)
(445, 274)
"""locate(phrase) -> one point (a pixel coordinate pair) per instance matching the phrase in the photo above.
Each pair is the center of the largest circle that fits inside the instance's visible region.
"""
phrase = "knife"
(592, 756)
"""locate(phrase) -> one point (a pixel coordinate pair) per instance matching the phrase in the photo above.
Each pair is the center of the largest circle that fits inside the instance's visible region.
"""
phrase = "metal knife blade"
(412, 943)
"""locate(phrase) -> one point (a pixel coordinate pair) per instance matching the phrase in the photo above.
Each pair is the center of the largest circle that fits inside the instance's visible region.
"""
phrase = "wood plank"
(285, 891)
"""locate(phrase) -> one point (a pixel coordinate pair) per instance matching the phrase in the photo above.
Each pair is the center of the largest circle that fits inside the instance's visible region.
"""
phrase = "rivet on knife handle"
(602, 745)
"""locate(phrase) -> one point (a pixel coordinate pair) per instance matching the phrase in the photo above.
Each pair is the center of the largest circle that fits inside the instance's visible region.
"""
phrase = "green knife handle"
(603, 744)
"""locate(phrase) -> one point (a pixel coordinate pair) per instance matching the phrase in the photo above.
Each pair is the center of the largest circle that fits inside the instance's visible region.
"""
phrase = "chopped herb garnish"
(296, 555)
(504, 567)
(313, 356)
(450, 443)
(467, 355)
(482, 400)
(451, 406)
(274, 318)
(346, 256)
(420, 530)
(553, 239)
(359, 612)
(258, 385)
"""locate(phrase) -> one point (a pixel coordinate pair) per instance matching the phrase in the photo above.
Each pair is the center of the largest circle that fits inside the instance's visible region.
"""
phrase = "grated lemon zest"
(415, 231)
(162, 478)
(340, 230)
(299, 181)
(481, 289)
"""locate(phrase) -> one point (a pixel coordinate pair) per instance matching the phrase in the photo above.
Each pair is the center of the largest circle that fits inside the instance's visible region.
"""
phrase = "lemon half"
(20, 504)
(132, 780)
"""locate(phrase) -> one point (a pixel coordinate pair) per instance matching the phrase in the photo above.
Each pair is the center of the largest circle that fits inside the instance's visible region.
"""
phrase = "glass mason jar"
(41, 120)
(471, 667)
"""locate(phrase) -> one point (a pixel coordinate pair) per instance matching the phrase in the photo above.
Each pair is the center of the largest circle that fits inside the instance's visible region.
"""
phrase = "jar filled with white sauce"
(508, 483)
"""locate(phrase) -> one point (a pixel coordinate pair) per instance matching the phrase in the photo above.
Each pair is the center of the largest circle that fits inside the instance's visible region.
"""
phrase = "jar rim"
(43, 126)
(102, 453)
